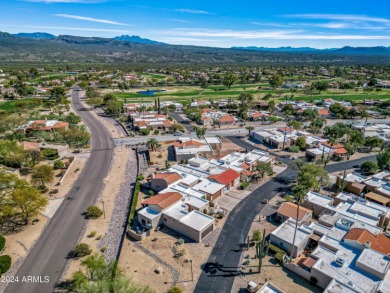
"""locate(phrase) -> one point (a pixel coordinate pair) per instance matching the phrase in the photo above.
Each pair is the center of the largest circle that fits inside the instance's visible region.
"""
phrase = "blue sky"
(314, 23)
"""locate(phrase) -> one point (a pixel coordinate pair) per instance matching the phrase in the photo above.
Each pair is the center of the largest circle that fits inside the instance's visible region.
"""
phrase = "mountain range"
(126, 50)
(379, 50)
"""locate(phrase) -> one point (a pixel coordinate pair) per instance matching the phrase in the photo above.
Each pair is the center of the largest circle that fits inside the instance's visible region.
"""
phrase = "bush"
(279, 256)
(140, 177)
(50, 154)
(92, 234)
(244, 185)
(81, 249)
(145, 132)
(58, 164)
(180, 241)
(274, 249)
(294, 149)
(54, 191)
(2, 242)
(5, 263)
(103, 249)
(151, 192)
(93, 212)
(134, 201)
(175, 289)
(156, 132)
(369, 167)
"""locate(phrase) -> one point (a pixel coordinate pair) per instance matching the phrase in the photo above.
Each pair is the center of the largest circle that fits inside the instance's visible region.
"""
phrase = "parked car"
(179, 133)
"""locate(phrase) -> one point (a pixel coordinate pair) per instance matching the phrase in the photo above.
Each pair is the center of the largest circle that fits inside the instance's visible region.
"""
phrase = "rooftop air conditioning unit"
(340, 261)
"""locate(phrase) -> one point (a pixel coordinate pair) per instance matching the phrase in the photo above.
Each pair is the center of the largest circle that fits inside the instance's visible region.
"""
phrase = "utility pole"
(192, 274)
(284, 136)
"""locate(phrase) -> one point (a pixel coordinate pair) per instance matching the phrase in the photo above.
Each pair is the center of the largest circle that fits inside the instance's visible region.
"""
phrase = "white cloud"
(65, 1)
(340, 17)
(193, 11)
(70, 28)
(272, 24)
(91, 19)
(269, 34)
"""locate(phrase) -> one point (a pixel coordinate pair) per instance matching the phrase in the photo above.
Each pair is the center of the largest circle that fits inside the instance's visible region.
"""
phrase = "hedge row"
(5, 263)
(274, 249)
(134, 202)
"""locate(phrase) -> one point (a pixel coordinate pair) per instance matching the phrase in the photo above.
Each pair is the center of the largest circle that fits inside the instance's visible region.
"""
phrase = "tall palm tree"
(152, 144)
(299, 192)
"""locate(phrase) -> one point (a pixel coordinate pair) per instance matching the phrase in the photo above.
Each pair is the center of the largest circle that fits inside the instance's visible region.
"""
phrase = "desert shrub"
(54, 191)
(93, 212)
(103, 249)
(274, 249)
(81, 249)
(50, 154)
(58, 164)
(156, 132)
(180, 241)
(92, 234)
(175, 289)
(279, 256)
(244, 185)
(294, 149)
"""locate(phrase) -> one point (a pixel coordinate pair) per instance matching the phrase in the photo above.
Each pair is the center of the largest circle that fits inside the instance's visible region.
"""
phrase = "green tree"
(295, 124)
(312, 176)
(42, 174)
(321, 86)
(276, 80)
(301, 142)
(383, 159)
(374, 142)
(338, 110)
(317, 124)
(246, 101)
(264, 168)
(200, 131)
(369, 167)
(351, 148)
(152, 144)
(75, 136)
(10, 123)
(310, 114)
(27, 202)
(249, 128)
(72, 118)
(229, 79)
(57, 93)
(11, 154)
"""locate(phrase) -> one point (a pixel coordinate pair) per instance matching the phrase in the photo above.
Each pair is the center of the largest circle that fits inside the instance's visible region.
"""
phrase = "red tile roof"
(340, 151)
(289, 210)
(335, 146)
(378, 242)
(245, 166)
(323, 112)
(163, 200)
(226, 177)
(170, 177)
(246, 172)
(285, 129)
(226, 118)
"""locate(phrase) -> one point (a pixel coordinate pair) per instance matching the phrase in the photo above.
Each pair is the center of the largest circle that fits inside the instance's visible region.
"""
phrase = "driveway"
(48, 256)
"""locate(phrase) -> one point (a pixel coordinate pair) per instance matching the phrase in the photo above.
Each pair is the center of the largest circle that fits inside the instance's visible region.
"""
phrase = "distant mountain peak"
(37, 35)
(136, 39)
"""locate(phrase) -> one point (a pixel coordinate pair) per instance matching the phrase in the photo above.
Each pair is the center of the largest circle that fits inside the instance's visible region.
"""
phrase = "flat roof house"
(317, 202)
(289, 210)
(180, 214)
(284, 234)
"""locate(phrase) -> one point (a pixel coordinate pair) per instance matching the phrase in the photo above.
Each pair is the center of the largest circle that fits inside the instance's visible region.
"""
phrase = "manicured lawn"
(10, 106)
(157, 76)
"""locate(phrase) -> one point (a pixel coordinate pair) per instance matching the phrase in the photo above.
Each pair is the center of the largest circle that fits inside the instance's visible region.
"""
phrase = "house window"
(143, 222)
(281, 244)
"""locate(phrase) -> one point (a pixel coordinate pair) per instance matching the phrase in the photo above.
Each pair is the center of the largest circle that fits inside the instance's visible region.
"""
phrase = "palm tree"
(299, 192)
(152, 144)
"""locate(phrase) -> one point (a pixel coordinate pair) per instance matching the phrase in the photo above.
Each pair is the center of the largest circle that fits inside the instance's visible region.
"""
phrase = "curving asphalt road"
(223, 264)
(48, 256)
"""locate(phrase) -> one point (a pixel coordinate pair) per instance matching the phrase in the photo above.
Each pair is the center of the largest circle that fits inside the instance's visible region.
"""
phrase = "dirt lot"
(140, 260)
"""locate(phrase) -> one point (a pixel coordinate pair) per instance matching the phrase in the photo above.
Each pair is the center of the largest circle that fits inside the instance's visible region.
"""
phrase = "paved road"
(223, 263)
(186, 123)
(48, 256)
